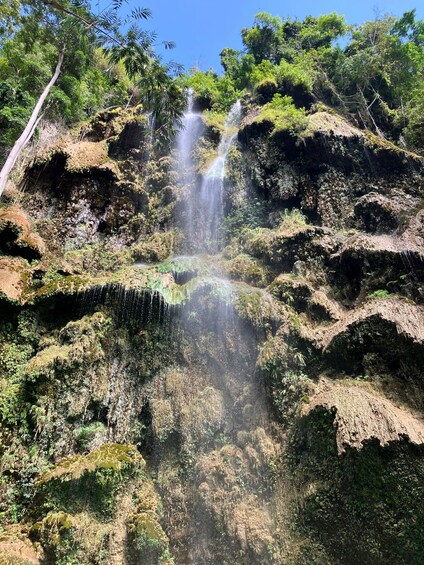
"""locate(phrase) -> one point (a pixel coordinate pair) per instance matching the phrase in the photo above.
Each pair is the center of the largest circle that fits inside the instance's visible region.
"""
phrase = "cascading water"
(221, 367)
(203, 207)
(191, 130)
(212, 187)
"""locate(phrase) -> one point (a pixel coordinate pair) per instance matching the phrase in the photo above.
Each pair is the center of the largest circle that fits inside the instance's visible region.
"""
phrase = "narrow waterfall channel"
(212, 188)
(236, 414)
(191, 130)
(203, 209)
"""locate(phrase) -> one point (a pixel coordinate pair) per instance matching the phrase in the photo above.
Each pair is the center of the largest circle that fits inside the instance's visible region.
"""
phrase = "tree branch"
(87, 23)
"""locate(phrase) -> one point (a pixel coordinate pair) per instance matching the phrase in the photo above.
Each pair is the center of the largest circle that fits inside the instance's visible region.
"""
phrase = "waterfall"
(191, 130)
(212, 188)
(203, 205)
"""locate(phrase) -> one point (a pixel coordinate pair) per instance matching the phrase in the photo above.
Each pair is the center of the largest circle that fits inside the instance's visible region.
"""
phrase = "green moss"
(149, 535)
(380, 144)
(364, 506)
(17, 346)
(47, 359)
(291, 219)
(381, 293)
(85, 434)
(266, 88)
(111, 456)
(283, 366)
(149, 542)
(249, 270)
(214, 119)
(157, 247)
(66, 285)
(90, 483)
(206, 153)
(253, 305)
(79, 342)
(95, 259)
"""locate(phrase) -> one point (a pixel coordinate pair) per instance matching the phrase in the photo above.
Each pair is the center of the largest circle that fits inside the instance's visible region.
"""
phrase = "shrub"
(264, 71)
(381, 293)
(291, 219)
(292, 75)
(284, 115)
(212, 92)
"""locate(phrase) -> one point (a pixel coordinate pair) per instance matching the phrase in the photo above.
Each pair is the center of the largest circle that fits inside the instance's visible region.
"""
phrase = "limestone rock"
(361, 415)
(17, 549)
(16, 236)
(11, 279)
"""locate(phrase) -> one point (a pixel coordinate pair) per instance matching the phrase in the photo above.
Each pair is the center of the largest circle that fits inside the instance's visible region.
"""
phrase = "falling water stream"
(203, 208)
(191, 130)
(231, 375)
(211, 209)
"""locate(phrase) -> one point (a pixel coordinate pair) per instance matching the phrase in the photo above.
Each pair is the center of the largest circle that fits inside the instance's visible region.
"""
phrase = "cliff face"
(263, 405)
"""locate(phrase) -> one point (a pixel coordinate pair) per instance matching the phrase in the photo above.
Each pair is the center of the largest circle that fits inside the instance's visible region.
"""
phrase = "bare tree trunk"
(29, 129)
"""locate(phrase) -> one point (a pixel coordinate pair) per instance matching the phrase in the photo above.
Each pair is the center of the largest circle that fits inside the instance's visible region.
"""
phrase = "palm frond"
(141, 13)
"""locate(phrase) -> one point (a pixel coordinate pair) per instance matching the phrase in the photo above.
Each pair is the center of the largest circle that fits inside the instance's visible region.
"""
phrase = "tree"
(9, 15)
(69, 27)
(375, 75)
(263, 39)
(30, 127)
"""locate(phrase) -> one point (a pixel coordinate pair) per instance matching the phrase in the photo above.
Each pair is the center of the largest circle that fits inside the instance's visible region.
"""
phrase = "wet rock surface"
(247, 407)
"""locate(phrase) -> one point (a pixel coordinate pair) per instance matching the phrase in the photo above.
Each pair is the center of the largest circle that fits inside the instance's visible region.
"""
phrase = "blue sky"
(201, 28)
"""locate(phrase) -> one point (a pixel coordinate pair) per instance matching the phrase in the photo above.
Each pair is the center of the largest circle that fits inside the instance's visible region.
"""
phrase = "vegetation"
(182, 409)
(284, 115)
(107, 61)
(371, 73)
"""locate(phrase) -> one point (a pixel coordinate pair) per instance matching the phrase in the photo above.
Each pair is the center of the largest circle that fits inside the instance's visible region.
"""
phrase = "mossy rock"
(112, 456)
(13, 279)
(265, 90)
(381, 485)
(156, 248)
(249, 270)
(16, 236)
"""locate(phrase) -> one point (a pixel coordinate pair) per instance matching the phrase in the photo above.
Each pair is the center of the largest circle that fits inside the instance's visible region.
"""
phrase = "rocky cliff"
(263, 405)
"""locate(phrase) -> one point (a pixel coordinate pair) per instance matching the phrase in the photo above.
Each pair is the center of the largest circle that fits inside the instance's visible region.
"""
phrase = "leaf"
(116, 4)
(169, 44)
(141, 13)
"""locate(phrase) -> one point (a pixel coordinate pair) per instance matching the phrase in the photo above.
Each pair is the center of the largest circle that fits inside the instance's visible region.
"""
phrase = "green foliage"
(214, 119)
(292, 219)
(381, 293)
(16, 347)
(264, 70)
(85, 434)
(93, 259)
(9, 16)
(214, 92)
(111, 456)
(295, 74)
(283, 365)
(376, 76)
(263, 39)
(103, 66)
(83, 88)
(322, 31)
(381, 485)
(284, 115)
(250, 214)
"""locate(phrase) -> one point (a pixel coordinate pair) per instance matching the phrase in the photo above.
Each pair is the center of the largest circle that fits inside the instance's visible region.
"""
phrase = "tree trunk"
(29, 129)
